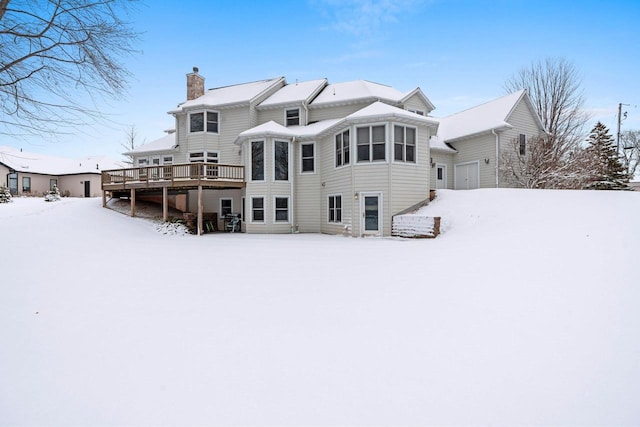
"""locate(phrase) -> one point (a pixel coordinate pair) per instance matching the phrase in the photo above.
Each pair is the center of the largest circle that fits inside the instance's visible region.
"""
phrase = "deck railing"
(179, 173)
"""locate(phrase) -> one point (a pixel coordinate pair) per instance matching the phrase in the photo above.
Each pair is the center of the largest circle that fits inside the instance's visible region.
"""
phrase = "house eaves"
(228, 97)
(505, 126)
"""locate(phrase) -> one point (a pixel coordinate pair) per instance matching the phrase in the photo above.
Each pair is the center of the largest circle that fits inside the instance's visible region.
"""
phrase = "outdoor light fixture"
(486, 161)
(433, 165)
(355, 195)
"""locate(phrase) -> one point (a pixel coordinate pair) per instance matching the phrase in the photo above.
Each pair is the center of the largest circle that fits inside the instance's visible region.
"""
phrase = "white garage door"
(467, 176)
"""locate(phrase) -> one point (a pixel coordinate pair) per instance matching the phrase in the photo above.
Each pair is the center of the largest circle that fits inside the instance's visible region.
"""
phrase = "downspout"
(493, 131)
(293, 174)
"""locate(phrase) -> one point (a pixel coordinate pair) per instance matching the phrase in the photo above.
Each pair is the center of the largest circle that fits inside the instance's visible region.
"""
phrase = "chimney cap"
(195, 70)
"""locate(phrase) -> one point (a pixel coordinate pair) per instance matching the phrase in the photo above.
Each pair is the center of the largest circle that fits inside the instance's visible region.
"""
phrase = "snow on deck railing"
(411, 225)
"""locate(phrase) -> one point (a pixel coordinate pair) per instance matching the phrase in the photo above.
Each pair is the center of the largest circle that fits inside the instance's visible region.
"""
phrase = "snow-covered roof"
(436, 143)
(230, 95)
(22, 161)
(294, 93)
(374, 112)
(346, 92)
(492, 115)
(382, 110)
(167, 142)
(269, 128)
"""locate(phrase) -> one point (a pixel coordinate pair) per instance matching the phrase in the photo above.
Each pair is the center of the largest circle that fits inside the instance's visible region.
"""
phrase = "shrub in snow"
(53, 195)
(5, 194)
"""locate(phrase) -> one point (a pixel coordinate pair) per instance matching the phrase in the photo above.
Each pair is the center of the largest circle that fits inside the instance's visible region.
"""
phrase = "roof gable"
(418, 92)
(492, 115)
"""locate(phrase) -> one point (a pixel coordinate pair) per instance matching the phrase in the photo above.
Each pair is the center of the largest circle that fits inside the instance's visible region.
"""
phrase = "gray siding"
(478, 149)
(445, 159)
(415, 103)
(307, 205)
(318, 114)
(523, 121)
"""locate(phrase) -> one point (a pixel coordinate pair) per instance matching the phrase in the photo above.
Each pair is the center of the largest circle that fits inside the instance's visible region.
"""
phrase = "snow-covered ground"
(526, 310)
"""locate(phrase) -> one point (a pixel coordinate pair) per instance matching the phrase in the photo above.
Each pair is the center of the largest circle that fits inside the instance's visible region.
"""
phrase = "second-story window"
(404, 144)
(281, 161)
(342, 148)
(307, 157)
(204, 121)
(257, 160)
(293, 117)
(371, 143)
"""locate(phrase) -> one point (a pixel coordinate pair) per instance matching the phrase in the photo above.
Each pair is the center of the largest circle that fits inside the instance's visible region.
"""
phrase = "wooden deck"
(194, 176)
(179, 176)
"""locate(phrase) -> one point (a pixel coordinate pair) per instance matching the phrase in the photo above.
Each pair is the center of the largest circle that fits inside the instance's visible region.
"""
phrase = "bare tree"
(59, 57)
(554, 86)
(131, 141)
(538, 166)
(630, 151)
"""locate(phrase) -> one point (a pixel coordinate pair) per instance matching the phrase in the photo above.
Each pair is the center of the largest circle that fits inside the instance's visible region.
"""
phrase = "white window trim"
(285, 116)
(329, 209)
(393, 143)
(333, 142)
(144, 159)
(418, 112)
(273, 161)
(164, 161)
(220, 205)
(204, 124)
(315, 155)
(264, 208)
(387, 154)
(264, 160)
(288, 221)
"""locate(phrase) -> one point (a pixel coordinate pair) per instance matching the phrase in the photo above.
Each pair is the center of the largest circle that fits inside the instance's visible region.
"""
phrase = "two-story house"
(310, 156)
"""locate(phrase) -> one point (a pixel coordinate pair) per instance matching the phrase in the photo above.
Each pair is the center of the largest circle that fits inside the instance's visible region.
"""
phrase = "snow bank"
(524, 311)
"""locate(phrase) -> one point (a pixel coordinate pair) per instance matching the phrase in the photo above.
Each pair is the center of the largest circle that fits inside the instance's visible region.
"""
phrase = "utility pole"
(619, 120)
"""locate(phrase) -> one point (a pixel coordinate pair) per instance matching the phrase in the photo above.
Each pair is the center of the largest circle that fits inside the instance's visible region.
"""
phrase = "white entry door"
(371, 214)
(467, 176)
(441, 176)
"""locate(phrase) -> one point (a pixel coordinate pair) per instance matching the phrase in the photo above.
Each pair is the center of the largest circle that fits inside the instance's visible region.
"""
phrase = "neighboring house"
(31, 174)
(311, 156)
(467, 151)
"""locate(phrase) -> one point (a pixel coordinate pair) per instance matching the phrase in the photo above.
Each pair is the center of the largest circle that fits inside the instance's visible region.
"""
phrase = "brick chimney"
(195, 85)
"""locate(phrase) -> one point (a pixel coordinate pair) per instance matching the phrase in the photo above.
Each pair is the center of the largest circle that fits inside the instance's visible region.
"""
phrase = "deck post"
(104, 199)
(165, 204)
(133, 202)
(200, 209)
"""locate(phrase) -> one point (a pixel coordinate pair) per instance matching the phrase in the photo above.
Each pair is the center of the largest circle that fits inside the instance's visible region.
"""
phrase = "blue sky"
(459, 52)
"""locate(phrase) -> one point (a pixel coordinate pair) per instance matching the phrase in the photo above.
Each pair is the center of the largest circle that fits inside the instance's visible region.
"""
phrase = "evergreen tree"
(608, 173)
(5, 194)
